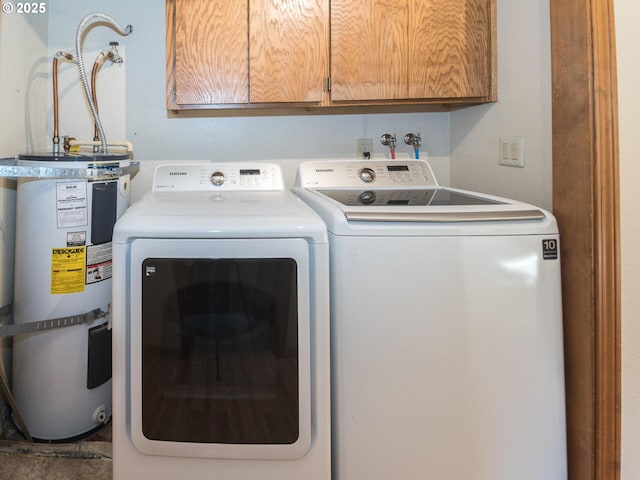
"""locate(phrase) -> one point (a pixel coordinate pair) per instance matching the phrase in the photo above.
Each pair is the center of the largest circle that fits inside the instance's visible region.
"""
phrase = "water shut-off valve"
(414, 140)
(389, 140)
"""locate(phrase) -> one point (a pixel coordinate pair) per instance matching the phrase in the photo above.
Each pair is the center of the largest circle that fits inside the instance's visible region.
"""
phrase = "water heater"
(65, 216)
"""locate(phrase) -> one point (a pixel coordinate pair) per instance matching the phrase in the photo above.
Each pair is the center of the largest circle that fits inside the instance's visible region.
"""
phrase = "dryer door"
(220, 356)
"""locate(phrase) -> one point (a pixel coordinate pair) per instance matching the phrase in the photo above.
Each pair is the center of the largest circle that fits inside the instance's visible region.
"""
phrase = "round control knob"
(217, 178)
(367, 198)
(367, 175)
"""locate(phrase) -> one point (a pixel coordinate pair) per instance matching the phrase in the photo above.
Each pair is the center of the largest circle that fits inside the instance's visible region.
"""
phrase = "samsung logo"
(324, 170)
(177, 173)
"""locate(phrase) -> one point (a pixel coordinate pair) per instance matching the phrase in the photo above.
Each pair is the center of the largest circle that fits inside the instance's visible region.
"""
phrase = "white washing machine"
(446, 324)
(220, 329)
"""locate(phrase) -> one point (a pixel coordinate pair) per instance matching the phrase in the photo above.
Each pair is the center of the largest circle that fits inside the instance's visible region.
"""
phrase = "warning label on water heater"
(67, 270)
(99, 264)
(71, 204)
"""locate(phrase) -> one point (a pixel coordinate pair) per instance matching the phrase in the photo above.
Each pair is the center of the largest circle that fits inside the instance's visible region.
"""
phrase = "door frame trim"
(586, 203)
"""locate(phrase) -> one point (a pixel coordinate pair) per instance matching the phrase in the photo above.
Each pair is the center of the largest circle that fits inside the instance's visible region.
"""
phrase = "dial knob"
(217, 178)
(367, 175)
(367, 198)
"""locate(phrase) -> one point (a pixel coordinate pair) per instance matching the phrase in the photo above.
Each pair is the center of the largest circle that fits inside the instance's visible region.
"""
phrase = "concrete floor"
(89, 459)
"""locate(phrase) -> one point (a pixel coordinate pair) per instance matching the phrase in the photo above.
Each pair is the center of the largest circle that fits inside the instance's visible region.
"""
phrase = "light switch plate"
(511, 151)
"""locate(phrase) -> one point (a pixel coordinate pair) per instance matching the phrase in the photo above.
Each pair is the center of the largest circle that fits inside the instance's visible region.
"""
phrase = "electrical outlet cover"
(364, 148)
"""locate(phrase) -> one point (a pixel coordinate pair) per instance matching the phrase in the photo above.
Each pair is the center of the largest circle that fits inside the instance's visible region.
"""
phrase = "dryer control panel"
(207, 177)
(356, 174)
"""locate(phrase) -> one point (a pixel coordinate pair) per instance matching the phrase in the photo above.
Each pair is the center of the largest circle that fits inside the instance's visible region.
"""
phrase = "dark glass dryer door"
(223, 348)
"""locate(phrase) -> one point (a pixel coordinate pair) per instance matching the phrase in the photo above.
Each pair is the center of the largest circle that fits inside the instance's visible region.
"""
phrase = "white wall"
(523, 109)
(24, 70)
(469, 136)
(156, 137)
(132, 104)
(627, 14)
(23, 58)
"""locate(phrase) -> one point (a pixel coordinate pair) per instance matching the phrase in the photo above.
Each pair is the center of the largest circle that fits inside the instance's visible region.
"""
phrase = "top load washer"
(220, 329)
(446, 324)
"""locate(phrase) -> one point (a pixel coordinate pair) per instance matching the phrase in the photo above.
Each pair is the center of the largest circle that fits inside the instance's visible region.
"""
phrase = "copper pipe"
(56, 133)
(56, 136)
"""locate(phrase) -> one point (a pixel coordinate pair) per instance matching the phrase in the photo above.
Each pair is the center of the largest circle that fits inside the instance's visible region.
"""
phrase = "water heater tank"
(64, 225)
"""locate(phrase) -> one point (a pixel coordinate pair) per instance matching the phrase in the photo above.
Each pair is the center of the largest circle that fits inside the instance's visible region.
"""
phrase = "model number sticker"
(550, 249)
(71, 204)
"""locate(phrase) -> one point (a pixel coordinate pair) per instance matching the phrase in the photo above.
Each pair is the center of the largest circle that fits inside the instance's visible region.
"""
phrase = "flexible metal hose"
(94, 94)
(83, 74)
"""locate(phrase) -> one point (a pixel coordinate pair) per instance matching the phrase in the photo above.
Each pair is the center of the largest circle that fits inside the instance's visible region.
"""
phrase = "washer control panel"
(355, 174)
(207, 177)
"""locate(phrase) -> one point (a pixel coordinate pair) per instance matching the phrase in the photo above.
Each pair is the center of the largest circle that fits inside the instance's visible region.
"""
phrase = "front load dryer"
(446, 324)
(220, 329)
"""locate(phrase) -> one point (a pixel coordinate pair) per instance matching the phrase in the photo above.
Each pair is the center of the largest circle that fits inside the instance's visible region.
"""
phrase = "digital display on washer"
(252, 171)
(418, 197)
(397, 168)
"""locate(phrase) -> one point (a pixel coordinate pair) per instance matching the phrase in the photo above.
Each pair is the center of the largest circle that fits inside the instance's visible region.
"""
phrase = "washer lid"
(409, 197)
(421, 205)
(496, 216)
(381, 197)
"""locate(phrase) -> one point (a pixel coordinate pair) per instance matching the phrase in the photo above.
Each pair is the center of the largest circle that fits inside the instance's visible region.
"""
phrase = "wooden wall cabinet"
(245, 52)
(412, 49)
(323, 53)
(209, 61)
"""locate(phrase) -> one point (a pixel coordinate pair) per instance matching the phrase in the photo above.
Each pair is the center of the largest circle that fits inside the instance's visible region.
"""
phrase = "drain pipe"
(83, 74)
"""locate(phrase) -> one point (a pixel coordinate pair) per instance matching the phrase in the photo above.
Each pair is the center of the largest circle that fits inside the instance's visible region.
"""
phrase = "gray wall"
(156, 137)
(627, 39)
(462, 145)
(23, 48)
(524, 109)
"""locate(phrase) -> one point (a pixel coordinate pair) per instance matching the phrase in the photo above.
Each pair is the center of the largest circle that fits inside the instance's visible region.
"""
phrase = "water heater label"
(71, 204)
(76, 239)
(67, 270)
(99, 264)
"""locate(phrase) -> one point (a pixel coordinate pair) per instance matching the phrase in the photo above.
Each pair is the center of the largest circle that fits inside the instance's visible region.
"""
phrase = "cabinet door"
(410, 49)
(288, 50)
(211, 52)
(449, 48)
(369, 41)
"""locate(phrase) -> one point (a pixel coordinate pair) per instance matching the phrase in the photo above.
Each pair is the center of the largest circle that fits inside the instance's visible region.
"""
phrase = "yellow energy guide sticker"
(68, 269)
